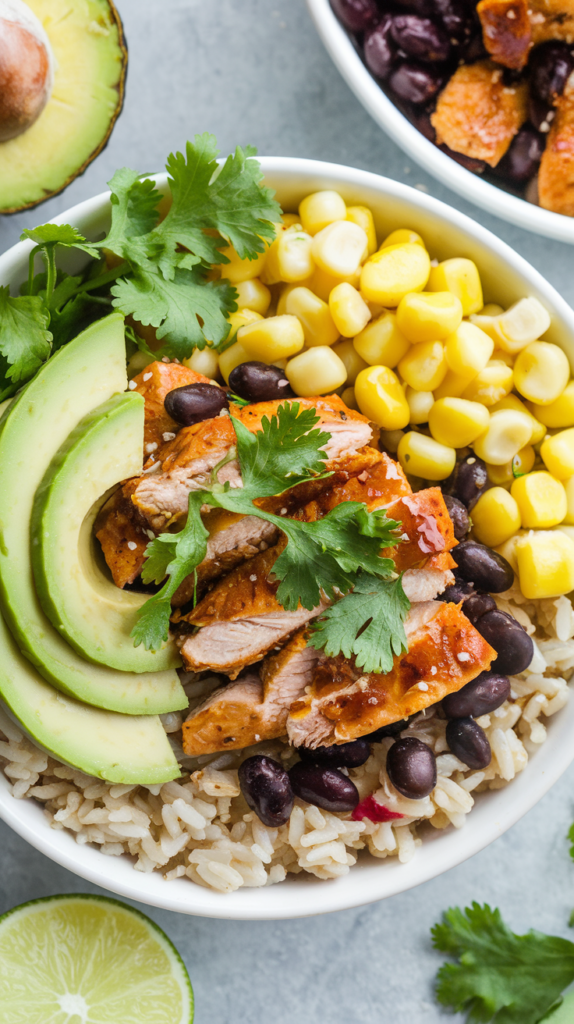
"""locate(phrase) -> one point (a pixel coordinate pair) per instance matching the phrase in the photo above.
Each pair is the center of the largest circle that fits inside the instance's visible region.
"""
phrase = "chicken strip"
(506, 31)
(552, 19)
(445, 652)
(154, 383)
(556, 174)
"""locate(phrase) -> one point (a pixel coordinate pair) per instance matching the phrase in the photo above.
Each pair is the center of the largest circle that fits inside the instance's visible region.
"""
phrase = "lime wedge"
(89, 960)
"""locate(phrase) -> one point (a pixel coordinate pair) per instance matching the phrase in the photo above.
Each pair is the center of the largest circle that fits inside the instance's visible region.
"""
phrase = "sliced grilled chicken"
(551, 19)
(427, 582)
(154, 383)
(506, 31)
(124, 536)
(556, 175)
(445, 652)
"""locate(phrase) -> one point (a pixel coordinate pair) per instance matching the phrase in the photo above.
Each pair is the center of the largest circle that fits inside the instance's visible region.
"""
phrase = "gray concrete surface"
(255, 71)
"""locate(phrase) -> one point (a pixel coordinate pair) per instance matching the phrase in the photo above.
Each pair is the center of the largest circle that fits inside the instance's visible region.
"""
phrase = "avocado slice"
(119, 748)
(94, 615)
(74, 381)
(87, 59)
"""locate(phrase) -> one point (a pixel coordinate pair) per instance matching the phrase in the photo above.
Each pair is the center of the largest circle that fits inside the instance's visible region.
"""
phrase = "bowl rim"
(470, 186)
(369, 881)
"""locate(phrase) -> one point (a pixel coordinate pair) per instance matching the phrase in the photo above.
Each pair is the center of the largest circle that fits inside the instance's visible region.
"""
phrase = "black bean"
(356, 15)
(325, 787)
(456, 18)
(467, 481)
(422, 7)
(520, 162)
(469, 742)
(459, 516)
(411, 767)
(380, 50)
(267, 789)
(470, 163)
(387, 730)
(457, 592)
(476, 605)
(479, 697)
(512, 643)
(420, 37)
(342, 755)
(482, 566)
(474, 49)
(417, 83)
(550, 65)
(257, 382)
(540, 113)
(195, 402)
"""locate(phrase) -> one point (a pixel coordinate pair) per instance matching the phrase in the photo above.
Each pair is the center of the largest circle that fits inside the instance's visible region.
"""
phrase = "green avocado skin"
(80, 377)
(84, 605)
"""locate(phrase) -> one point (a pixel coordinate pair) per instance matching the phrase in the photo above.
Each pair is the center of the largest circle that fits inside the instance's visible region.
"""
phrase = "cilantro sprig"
(336, 557)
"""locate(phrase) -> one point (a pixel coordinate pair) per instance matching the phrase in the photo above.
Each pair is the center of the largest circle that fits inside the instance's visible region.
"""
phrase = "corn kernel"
(508, 549)
(569, 488)
(491, 384)
(513, 402)
(455, 419)
(545, 564)
(205, 361)
(270, 272)
(495, 517)
(380, 397)
(239, 319)
(290, 220)
(560, 412)
(420, 404)
(277, 337)
(541, 372)
(381, 343)
(460, 277)
(316, 320)
(253, 294)
(508, 432)
(424, 366)
(321, 208)
(284, 295)
(491, 309)
(522, 463)
(362, 216)
(468, 350)
(318, 371)
(351, 358)
(390, 439)
(428, 316)
(294, 259)
(422, 456)
(453, 385)
(541, 499)
(393, 272)
(402, 236)
(558, 454)
(323, 283)
(500, 356)
(520, 325)
(232, 357)
(349, 399)
(349, 310)
(339, 248)
(238, 270)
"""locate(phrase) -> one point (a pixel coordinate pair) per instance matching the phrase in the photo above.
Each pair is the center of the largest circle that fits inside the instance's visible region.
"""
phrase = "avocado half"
(62, 75)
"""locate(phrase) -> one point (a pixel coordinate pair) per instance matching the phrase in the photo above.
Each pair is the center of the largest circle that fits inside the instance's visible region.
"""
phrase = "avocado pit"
(26, 68)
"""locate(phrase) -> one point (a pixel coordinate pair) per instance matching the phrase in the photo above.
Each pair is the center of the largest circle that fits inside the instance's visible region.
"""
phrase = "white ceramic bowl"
(471, 186)
(506, 277)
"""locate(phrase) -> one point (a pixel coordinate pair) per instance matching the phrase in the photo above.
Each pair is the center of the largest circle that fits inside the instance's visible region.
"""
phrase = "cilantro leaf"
(377, 604)
(306, 569)
(134, 213)
(25, 340)
(571, 838)
(562, 1012)
(49, 235)
(501, 977)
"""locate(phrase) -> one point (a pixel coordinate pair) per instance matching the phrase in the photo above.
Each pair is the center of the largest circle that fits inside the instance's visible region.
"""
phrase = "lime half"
(89, 960)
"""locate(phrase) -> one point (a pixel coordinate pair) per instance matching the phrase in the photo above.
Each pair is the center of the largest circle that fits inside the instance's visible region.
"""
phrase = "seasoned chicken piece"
(477, 114)
(123, 536)
(154, 383)
(426, 527)
(506, 31)
(552, 19)
(428, 581)
(255, 706)
(556, 174)
(377, 486)
(349, 430)
(445, 652)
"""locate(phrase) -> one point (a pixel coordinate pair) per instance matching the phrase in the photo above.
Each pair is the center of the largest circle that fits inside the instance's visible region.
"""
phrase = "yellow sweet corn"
(513, 402)
(508, 549)
(522, 463)
(495, 517)
(205, 361)
(349, 310)
(323, 283)
(569, 488)
(339, 248)
(318, 371)
(545, 564)
(468, 350)
(457, 420)
(362, 216)
(390, 440)
(380, 397)
(253, 294)
(558, 454)
(491, 309)
(277, 337)
(422, 456)
(500, 356)
(402, 236)
(232, 357)
(516, 328)
(290, 220)
(453, 385)
(460, 277)
(420, 404)
(381, 343)
(424, 366)
(238, 270)
(351, 358)
(541, 372)
(541, 499)
(316, 320)
(321, 208)
(294, 259)
(239, 319)
(349, 399)
(284, 294)
(270, 272)
(508, 432)
(560, 412)
(428, 316)
(393, 272)
(491, 384)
